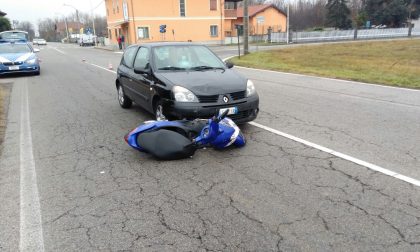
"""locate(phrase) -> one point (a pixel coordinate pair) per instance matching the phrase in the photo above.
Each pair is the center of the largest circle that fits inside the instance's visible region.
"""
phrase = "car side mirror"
(229, 64)
(36, 50)
(140, 70)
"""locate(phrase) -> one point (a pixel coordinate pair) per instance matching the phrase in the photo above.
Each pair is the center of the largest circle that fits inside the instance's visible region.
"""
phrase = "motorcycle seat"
(166, 144)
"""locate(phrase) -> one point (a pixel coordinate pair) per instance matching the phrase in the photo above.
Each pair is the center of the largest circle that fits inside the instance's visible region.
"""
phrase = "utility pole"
(134, 24)
(410, 27)
(288, 24)
(246, 26)
(77, 16)
(67, 30)
(93, 21)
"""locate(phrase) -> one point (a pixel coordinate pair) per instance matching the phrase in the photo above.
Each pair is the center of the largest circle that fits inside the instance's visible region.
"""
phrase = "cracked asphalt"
(97, 194)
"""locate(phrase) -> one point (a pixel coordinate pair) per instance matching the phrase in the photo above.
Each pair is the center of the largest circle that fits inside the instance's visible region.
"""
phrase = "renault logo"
(225, 99)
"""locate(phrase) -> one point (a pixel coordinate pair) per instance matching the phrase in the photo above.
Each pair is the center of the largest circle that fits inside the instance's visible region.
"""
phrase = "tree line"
(47, 27)
(344, 14)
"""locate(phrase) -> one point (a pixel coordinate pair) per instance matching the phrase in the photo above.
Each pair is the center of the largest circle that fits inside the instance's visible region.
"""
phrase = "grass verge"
(4, 100)
(394, 63)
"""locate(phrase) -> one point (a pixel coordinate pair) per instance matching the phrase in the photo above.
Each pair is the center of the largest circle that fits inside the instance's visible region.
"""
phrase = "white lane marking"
(229, 57)
(58, 50)
(323, 78)
(103, 68)
(326, 78)
(119, 52)
(31, 237)
(324, 149)
(341, 155)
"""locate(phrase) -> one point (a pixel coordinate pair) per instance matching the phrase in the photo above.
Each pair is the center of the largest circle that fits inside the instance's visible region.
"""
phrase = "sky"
(33, 10)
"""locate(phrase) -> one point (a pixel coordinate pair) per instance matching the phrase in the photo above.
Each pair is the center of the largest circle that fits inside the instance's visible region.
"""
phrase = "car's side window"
(142, 58)
(128, 57)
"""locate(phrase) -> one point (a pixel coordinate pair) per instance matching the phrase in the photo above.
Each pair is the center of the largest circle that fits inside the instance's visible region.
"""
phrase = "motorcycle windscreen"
(166, 144)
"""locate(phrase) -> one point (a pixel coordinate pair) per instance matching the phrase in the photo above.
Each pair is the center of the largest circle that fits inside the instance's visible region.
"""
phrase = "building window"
(230, 5)
(213, 31)
(110, 34)
(182, 8)
(213, 5)
(107, 12)
(118, 9)
(116, 34)
(143, 32)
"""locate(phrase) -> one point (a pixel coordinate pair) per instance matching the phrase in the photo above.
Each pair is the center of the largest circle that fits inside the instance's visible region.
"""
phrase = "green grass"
(3, 96)
(395, 63)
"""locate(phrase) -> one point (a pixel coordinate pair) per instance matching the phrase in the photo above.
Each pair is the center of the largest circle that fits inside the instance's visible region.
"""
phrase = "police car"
(18, 57)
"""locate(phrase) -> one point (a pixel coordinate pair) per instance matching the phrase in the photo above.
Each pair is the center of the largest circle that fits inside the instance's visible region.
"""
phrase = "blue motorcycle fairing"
(229, 134)
(170, 140)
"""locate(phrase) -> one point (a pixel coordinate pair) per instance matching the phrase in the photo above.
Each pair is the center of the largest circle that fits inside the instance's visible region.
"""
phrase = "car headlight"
(183, 95)
(250, 88)
(31, 61)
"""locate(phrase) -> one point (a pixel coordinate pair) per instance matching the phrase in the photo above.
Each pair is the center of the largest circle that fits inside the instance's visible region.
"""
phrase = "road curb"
(105, 49)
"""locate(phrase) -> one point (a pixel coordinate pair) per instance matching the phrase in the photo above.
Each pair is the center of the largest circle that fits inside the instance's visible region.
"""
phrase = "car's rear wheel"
(158, 109)
(123, 99)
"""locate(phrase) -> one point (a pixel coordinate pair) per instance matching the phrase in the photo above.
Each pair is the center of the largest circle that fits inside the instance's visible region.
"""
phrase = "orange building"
(204, 21)
(261, 18)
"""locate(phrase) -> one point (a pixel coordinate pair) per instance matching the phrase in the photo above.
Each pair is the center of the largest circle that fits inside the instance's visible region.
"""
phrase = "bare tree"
(46, 28)
(26, 26)
(306, 14)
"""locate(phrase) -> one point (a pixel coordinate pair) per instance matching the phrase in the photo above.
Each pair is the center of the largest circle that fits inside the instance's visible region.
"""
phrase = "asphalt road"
(96, 193)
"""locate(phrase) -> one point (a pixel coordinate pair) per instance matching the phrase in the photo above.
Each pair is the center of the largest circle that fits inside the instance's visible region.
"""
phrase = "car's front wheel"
(123, 99)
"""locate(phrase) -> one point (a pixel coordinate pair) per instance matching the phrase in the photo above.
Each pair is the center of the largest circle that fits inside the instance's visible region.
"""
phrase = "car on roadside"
(175, 80)
(87, 40)
(18, 57)
(39, 41)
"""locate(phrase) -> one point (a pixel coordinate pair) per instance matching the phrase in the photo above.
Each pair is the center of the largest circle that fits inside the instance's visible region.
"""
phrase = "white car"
(39, 41)
(42, 42)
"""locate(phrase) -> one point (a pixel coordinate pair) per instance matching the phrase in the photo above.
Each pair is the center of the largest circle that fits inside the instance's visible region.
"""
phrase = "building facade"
(206, 21)
(262, 18)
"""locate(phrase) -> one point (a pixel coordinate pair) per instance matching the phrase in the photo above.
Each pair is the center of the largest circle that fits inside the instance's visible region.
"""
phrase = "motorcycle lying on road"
(170, 140)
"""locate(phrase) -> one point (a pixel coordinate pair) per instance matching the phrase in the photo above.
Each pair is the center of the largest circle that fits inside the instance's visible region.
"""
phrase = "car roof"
(156, 44)
(13, 43)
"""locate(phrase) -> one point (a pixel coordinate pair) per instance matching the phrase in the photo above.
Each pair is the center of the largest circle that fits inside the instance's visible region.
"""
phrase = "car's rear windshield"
(14, 48)
(184, 57)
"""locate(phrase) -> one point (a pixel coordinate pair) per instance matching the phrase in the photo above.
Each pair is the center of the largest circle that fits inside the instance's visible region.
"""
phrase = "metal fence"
(337, 35)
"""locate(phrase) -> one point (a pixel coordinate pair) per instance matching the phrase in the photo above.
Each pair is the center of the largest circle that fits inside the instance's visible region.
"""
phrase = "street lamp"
(65, 22)
(93, 18)
(77, 16)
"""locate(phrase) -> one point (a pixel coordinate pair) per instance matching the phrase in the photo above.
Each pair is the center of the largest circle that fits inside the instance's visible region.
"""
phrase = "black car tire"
(158, 111)
(123, 99)
(38, 72)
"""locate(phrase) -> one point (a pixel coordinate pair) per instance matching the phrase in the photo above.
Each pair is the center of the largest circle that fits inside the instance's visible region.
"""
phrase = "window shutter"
(213, 4)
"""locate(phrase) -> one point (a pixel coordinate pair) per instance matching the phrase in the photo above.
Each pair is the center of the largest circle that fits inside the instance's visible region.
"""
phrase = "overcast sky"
(32, 10)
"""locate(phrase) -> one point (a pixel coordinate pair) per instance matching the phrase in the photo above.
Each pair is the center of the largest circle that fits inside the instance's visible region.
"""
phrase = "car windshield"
(185, 57)
(13, 35)
(14, 48)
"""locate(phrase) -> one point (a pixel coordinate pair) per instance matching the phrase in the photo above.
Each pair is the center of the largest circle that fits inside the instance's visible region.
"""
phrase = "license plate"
(13, 67)
(231, 111)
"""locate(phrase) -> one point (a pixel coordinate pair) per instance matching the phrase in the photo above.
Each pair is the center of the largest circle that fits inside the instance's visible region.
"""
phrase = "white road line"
(341, 155)
(58, 50)
(324, 149)
(31, 237)
(119, 52)
(103, 68)
(323, 78)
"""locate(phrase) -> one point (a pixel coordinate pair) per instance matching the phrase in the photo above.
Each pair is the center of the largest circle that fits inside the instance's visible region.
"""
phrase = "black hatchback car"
(183, 80)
